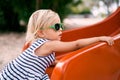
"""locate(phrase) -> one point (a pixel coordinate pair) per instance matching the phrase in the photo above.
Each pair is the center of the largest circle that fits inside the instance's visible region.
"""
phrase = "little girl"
(43, 36)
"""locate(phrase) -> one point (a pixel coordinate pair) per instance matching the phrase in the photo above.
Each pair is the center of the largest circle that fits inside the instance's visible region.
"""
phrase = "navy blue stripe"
(51, 57)
(29, 50)
(29, 66)
(33, 46)
(41, 40)
(3, 77)
(43, 61)
(24, 69)
(7, 75)
(45, 39)
(8, 68)
(50, 60)
(45, 77)
(36, 44)
(19, 70)
(47, 60)
(43, 65)
(30, 54)
(38, 77)
(13, 69)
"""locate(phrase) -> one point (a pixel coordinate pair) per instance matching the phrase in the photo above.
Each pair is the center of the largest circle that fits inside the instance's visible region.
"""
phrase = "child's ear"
(40, 33)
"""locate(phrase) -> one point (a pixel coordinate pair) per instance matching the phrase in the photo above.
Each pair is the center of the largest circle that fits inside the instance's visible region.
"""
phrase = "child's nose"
(60, 31)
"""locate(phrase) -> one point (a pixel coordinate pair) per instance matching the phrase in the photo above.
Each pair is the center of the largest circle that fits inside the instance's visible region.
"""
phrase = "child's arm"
(87, 41)
(59, 46)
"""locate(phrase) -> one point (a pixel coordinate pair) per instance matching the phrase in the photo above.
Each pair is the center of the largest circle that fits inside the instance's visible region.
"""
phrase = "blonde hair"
(38, 20)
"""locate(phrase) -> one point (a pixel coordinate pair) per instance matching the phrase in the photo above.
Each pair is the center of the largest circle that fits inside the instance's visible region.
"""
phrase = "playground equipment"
(97, 61)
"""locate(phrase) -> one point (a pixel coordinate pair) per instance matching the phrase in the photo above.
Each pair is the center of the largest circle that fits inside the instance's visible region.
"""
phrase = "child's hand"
(109, 40)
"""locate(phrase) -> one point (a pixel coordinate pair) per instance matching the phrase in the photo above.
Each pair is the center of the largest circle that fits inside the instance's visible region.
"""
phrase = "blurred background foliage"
(14, 14)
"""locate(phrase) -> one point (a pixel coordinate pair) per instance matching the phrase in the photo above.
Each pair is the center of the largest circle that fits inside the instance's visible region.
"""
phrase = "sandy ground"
(10, 46)
(11, 43)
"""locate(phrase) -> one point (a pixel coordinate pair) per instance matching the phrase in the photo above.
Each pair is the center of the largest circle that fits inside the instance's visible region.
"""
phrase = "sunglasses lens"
(57, 26)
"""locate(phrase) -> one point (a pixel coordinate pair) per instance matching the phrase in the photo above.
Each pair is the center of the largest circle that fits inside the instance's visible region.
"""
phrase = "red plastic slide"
(98, 61)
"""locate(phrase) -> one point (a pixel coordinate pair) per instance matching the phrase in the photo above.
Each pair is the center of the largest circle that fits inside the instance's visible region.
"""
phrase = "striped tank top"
(28, 66)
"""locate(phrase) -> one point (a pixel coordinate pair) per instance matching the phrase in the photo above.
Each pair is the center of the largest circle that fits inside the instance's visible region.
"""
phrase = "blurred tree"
(59, 6)
(102, 7)
(108, 3)
(8, 16)
(118, 3)
(14, 11)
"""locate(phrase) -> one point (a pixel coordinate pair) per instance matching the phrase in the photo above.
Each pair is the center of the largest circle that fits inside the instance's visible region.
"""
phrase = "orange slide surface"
(97, 61)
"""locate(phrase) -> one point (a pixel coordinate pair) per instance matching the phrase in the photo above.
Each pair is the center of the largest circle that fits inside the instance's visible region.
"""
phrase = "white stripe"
(5, 74)
(11, 74)
(21, 70)
(17, 72)
(45, 61)
(49, 62)
(33, 62)
(29, 67)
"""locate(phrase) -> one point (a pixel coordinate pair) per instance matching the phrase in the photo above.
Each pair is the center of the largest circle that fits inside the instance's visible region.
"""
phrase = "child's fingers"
(110, 41)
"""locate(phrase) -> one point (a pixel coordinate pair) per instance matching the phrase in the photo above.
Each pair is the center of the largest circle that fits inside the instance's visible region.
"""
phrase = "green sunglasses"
(57, 26)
